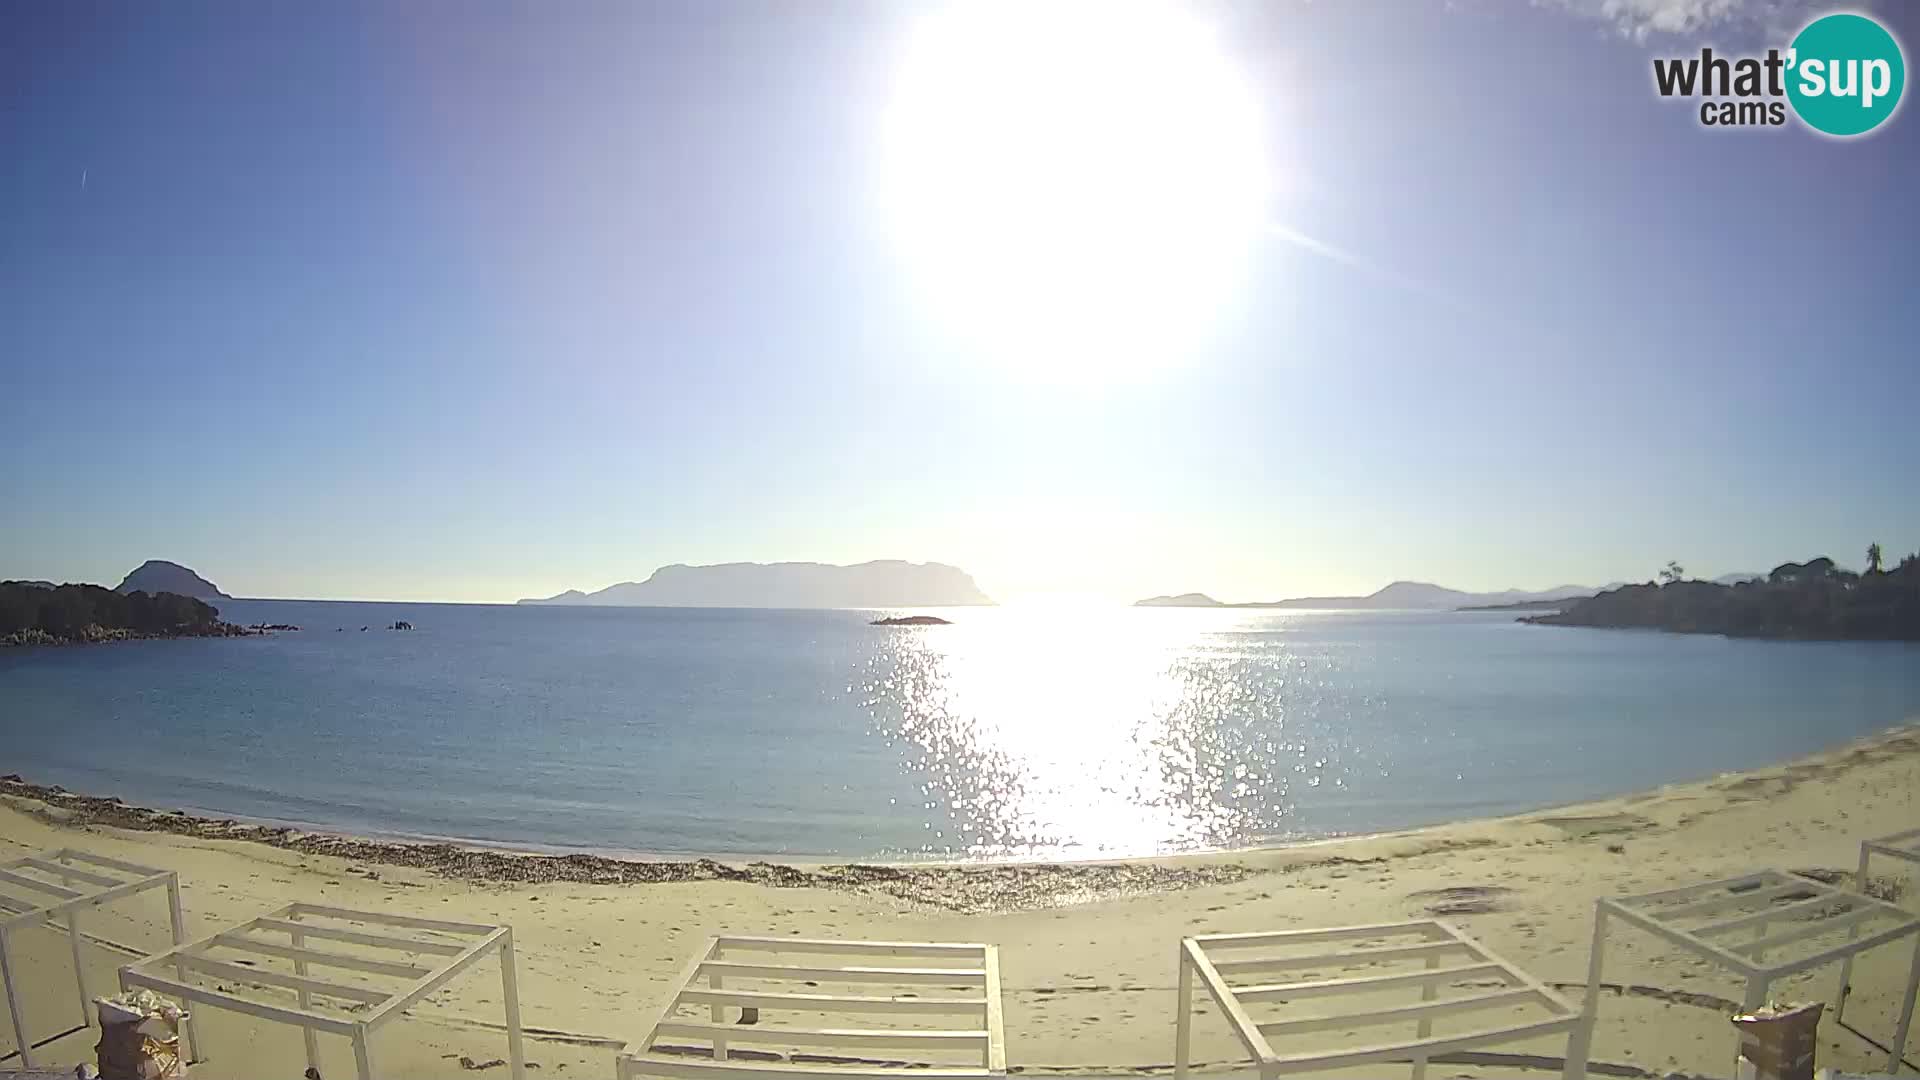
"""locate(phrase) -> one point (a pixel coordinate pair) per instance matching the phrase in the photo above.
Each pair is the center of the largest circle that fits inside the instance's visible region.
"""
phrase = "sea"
(1013, 733)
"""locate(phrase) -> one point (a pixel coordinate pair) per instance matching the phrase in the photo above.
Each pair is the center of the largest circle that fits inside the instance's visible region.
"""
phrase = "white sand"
(1088, 988)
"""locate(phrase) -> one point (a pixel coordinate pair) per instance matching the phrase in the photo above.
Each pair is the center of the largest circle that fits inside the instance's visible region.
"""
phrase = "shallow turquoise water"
(1030, 733)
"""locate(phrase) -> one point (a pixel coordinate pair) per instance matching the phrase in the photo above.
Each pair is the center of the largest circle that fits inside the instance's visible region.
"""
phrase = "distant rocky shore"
(36, 613)
(100, 635)
(1814, 600)
(157, 599)
(1398, 596)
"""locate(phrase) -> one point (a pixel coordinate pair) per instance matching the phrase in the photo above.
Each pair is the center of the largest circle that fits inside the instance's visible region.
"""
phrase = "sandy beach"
(1087, 950)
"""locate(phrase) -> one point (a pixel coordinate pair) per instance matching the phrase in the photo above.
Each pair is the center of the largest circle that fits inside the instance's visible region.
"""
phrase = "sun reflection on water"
(1038, 737)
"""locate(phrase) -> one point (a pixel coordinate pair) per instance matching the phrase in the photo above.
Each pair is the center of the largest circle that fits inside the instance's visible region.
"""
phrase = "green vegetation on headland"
(1811, 600)
(35, 613)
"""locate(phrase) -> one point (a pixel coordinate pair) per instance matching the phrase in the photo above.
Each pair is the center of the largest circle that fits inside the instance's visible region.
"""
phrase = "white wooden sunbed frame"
(1901, 845)
(452, 947)
(84, 881)
(1753, 903)
(1449, 956)
(940, 968)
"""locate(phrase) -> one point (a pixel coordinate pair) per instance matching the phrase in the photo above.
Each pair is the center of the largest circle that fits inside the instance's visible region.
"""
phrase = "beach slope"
(1087, 950)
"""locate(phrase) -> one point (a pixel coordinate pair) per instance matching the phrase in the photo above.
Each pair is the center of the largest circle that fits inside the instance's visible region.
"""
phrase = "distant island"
(161, 576)
(1524, 605)
(879, 584)
(911, 620)
(1401, 595)
(37, 613)
(1808, 601)
(1185, 599)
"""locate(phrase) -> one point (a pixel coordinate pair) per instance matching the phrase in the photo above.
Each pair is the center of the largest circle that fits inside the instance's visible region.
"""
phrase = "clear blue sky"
(475, 301)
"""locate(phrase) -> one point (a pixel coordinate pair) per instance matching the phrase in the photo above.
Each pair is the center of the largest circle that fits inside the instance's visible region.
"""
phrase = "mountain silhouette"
(158, 576)
(882, 583)
(1401, 595)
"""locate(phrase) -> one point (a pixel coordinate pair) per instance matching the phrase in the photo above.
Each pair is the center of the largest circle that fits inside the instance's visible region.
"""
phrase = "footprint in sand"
(1464, 899)
(1581, 827)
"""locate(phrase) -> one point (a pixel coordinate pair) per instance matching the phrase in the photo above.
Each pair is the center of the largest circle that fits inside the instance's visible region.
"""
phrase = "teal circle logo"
(1845, 74)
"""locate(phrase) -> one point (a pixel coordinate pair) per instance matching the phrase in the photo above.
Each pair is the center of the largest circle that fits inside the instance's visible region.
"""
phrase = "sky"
(476, 301)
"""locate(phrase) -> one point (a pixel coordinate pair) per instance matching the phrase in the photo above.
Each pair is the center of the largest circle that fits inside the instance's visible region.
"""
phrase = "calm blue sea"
(1015, 732)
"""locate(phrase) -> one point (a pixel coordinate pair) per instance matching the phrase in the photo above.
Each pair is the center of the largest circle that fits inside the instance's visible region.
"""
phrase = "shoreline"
(959, 887)
(1087, 949)
(967, 887)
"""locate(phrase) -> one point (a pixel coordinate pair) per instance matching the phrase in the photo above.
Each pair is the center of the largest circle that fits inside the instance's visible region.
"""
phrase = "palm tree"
(1873, 558)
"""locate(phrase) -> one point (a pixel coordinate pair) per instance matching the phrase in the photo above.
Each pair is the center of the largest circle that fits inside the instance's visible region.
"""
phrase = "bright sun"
(1075, 184)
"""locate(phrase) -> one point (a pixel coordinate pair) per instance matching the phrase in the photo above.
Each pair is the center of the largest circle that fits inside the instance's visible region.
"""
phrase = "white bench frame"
(919, 963)
(457, 947)
(1204, 956)
(1901, 845)
(1749, 902)
(86, 881)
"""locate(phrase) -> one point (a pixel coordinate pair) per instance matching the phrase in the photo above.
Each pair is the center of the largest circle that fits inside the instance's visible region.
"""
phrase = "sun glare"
(1075, 185)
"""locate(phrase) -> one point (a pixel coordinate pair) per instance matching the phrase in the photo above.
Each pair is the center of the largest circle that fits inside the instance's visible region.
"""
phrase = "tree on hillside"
(1873, 558)
(1814, 600)
(1794, 573)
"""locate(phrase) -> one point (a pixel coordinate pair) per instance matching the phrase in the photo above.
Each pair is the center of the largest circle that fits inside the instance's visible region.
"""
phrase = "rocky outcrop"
(89, 614)
(159, 576)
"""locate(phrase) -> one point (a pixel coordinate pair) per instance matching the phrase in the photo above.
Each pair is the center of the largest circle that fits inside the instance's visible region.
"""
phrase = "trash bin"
(139, 1037)
(1777, 1042)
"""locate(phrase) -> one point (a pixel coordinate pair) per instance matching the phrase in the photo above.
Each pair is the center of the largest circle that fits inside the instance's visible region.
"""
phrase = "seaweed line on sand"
(966, 889)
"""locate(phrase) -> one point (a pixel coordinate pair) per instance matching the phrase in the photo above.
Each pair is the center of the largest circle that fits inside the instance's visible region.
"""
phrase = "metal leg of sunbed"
(79, 961)
(13, 1000)
(719, 1014)
(1756, 998)
(1846, 963)
(1428, 992)
(1906, 1010)
(1183, 1025)
(79, 968)
(1581, 1042)
(190, 1048)
(312, 1038)
(362, 1057)
(510, 990)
